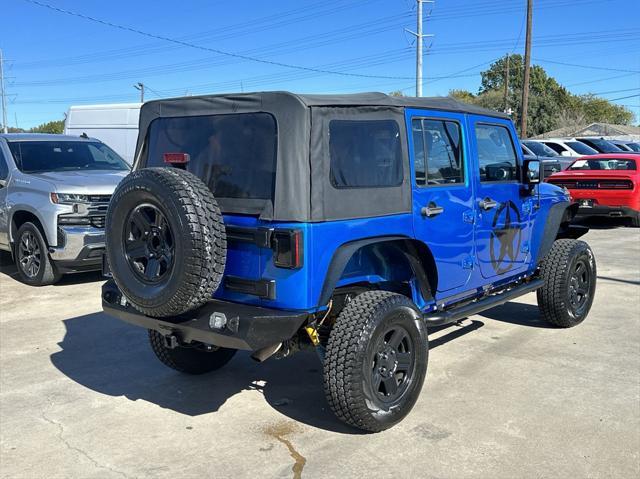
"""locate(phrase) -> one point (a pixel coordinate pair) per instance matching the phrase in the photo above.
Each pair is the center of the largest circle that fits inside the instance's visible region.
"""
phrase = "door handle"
(431, 210)
(488, 204)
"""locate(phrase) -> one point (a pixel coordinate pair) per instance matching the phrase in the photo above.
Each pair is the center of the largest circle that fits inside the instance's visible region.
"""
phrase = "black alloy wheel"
(393, 365)
(29, 254)
(579, 287)
(149, 243)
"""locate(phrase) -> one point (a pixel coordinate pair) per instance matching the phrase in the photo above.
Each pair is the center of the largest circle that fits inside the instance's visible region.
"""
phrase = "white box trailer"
(116, 125)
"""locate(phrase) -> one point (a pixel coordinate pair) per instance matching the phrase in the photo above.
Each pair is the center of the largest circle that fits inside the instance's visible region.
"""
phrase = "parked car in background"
(549, 165)
(568, 147)
(54, 194)
(116, 125)
(552, 161)
(600, 145)
(604, 185)
(626, 145)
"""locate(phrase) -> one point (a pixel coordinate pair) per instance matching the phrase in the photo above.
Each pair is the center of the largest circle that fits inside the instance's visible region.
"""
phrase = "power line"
(212, 50)
(591, 67)
(624, 97)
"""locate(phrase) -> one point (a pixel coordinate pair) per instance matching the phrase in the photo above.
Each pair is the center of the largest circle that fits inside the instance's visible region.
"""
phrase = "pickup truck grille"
(97, 210)
(594, 184)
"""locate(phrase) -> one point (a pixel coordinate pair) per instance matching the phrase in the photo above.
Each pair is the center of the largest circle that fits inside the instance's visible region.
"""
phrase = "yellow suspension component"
(313, 335)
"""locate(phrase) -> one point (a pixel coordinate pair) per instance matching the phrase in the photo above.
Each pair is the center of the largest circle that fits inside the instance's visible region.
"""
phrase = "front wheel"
(376, 360)
(32, 257)
(189, 359)
(569, 274)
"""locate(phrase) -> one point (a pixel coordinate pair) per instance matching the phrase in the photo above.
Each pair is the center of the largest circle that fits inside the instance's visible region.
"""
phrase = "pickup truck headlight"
(68, 198)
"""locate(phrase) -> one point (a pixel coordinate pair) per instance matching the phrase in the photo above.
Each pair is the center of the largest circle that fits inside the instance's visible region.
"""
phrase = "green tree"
(56, 126)
(551, 105)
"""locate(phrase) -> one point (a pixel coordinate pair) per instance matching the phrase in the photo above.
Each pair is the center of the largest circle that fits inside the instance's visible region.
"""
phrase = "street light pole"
(4, 95)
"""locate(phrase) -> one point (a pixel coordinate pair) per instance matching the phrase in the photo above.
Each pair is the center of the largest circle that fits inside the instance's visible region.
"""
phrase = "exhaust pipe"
(265, 353)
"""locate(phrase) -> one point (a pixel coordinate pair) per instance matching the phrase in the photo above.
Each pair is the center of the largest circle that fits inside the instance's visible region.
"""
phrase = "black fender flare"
(426, 274)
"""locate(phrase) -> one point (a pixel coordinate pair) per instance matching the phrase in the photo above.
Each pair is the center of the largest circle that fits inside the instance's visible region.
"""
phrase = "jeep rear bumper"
(220, 323)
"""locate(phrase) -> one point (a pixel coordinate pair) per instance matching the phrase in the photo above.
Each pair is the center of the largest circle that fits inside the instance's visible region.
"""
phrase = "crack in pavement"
(77, 449)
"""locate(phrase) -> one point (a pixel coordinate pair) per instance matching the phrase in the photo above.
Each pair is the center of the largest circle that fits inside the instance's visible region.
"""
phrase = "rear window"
(365, 154)
(604, 164)
(235, 155)
(47, 156)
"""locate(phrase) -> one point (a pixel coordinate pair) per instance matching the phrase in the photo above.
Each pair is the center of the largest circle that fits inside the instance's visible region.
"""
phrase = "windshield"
(540, 149)
(48, 156)
(581, 148)
(603, 146)
(604, 164)
(234, 154)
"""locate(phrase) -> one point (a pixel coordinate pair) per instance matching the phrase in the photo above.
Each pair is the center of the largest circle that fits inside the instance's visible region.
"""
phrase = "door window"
(496, 154)
(437, 152)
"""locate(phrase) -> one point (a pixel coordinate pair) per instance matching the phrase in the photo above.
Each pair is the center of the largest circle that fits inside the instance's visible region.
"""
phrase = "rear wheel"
(569, 274)
(190, 359)
(376, 360)
(32, 257)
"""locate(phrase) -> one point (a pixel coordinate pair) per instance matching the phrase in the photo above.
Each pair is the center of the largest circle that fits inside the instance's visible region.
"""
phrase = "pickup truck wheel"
(376, 360)
(189, 360)
(32, 257)
(569, 274)
(166, 241)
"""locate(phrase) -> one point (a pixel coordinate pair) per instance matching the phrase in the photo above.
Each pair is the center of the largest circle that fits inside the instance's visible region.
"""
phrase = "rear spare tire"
(166, 242)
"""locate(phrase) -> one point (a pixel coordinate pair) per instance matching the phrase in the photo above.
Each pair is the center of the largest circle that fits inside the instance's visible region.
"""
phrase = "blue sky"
(54, 60)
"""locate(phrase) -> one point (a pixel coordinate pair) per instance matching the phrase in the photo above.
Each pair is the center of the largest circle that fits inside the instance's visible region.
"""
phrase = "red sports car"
(604, 185)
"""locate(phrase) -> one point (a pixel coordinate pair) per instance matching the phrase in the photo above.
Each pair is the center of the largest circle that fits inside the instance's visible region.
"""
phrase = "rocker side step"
(454, 314)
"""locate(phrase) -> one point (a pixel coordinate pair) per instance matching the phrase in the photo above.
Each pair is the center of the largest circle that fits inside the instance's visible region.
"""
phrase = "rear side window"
(496, 154)
(365, 154)
(235, 154)
(556, 147)
(437, 152)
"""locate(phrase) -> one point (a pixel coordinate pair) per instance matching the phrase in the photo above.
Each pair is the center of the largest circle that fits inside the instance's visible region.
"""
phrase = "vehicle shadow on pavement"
(7, 266)
(517, 313)
(114, 358)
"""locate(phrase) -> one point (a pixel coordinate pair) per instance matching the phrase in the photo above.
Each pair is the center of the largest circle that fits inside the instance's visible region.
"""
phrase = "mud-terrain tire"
(376, 360)
(31, 255)
(166, 241)
(189, 360)
(569, 274)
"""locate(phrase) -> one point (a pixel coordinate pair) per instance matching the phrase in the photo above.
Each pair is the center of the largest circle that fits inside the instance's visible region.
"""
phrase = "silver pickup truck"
(54, 194)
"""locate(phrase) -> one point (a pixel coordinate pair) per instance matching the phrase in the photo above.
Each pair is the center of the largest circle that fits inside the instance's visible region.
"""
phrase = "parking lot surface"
(82, 395)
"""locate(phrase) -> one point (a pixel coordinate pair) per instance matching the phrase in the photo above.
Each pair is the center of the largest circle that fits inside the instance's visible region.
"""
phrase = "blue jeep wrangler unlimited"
(272, 222)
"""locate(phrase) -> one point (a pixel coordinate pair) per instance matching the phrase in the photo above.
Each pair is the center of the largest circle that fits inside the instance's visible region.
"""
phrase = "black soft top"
(303, 191)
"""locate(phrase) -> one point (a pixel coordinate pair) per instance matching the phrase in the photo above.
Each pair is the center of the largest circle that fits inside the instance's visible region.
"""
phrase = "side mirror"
(532, 172)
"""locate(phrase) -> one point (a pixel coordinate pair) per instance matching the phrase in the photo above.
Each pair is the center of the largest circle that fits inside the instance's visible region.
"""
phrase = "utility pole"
(140, 86)
(4, 95)
(527, 68)
(506, 86)
(419, 37)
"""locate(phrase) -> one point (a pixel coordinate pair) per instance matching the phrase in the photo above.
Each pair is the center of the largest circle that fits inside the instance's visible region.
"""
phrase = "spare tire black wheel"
(166, 241)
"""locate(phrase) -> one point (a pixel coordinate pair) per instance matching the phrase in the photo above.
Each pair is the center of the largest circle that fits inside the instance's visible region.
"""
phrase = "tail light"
(615, 185)
(287, 248)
